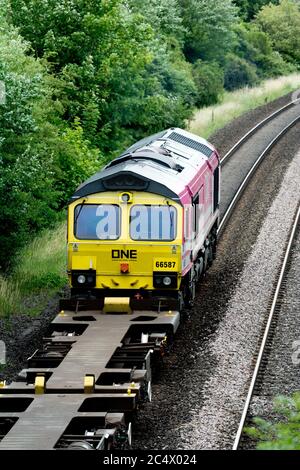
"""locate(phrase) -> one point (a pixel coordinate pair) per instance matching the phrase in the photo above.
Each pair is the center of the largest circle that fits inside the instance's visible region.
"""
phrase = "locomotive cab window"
(97, 222)
(153, 223)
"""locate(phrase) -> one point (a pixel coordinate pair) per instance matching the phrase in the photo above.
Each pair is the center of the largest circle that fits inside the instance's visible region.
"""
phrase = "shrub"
(282, 23)
(209, 80)
(239, 73)
(283, 433)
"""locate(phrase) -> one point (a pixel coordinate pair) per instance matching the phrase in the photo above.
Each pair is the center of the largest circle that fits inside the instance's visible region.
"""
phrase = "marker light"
(81, 279)
(167, 281)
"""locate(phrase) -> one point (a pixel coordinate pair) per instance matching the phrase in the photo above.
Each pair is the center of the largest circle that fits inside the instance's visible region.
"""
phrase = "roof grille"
(191, 143)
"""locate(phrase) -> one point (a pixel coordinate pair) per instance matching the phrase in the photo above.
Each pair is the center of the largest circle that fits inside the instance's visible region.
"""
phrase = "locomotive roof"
(163, 163)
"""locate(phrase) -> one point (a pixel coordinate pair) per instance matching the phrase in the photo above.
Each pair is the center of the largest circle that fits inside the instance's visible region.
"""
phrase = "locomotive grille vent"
(191, 143)
(125, 181)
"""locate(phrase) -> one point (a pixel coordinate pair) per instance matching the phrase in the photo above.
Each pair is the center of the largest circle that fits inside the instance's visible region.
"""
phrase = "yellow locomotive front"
(124, 244)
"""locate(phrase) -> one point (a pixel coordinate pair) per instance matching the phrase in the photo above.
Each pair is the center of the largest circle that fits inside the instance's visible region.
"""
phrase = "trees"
(27, 196)
(31, 134)
(105, 54)
(164, 16)
(209, 28)
(239, 73)
(209, 80)
(282, 23)
(249, 8)
(255, 47)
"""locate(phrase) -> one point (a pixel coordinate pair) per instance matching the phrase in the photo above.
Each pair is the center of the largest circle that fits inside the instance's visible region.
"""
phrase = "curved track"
(230, 208)
(242, 159)
(263, 348)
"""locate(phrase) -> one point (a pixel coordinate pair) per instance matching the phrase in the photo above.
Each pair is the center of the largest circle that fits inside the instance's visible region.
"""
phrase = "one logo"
(124, 254)
(296, 352)
(2, 353)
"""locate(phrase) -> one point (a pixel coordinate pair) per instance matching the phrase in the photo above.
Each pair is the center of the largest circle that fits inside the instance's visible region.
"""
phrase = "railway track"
(235, 197)
(83, 387)
(266, 344)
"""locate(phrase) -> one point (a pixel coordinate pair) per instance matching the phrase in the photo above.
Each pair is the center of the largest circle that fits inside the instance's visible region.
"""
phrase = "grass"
(39, 273)
(208, 120)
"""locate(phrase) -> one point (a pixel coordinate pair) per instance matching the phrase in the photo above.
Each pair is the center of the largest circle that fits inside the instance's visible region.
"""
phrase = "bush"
(274, 65)
(282, 23)
(75, 161)
(209, 80)
(282, 433)
(28, 199)
(239, 73)
(41, 159)
(255, 46)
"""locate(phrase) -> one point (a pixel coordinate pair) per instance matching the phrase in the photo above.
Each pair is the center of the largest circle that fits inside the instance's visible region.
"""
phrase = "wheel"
(205, 261)
(210, 257)
(214, 242)
(190, 290)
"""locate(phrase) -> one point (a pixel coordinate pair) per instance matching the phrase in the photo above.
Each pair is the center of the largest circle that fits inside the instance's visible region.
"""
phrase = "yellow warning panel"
(89, 383)
(84, 262)
(117, 305)
(39, 384)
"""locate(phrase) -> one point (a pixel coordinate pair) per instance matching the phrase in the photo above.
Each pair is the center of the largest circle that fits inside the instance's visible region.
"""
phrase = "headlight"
(81, 279)
(167, 281)
(164, 280)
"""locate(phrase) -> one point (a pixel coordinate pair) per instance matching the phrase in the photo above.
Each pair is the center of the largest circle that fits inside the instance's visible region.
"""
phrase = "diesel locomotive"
(145, 226)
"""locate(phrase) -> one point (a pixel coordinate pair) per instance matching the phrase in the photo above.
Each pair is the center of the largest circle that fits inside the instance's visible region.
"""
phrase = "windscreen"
(153, 223)
(97, 222)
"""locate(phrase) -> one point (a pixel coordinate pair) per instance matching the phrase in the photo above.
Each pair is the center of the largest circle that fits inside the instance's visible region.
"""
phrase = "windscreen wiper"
(78, 214)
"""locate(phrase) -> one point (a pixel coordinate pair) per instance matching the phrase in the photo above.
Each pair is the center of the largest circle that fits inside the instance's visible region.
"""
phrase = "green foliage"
(75, 160)
(249, 8)
(39, 271)
(27, 195)
(110, 81)
(283, 433)
(164, 16)
(35, 180)
(208, 120)
(282, 23)
(209, 80)
(209, 28)
(255, 46)
(239, 73)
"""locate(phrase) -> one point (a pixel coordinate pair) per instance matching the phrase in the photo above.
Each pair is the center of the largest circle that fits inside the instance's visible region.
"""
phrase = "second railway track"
(266, 344)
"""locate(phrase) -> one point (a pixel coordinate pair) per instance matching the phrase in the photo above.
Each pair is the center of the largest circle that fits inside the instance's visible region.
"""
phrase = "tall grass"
(39, 271)
(208, 120)
(9, 296)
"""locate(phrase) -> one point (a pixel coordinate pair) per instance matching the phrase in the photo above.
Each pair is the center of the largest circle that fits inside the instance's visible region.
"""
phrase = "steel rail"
(251, 172)
(266, 333)
(254, 129)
